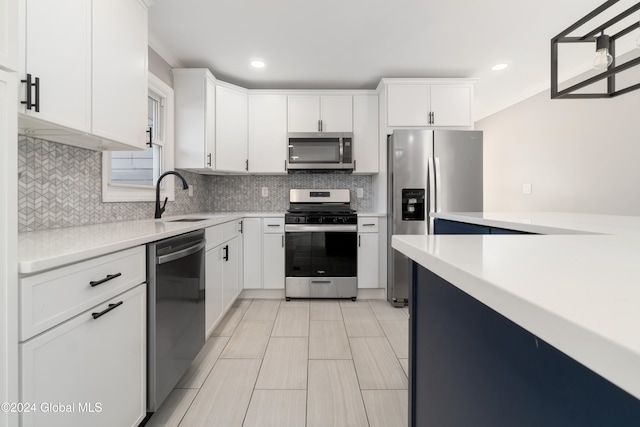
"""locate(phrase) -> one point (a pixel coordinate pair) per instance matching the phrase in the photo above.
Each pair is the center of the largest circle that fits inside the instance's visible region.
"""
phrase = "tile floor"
(298, 363)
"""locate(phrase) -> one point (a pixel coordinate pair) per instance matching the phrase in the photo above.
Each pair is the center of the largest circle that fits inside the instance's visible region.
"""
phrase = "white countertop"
(580, 293)
(42, 250)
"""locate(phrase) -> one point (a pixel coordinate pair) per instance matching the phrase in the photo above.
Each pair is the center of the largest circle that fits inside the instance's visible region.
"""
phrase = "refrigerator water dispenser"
(413, 204)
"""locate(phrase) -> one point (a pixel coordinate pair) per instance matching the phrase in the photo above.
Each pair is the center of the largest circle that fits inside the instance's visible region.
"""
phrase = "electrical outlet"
(359, 193)
(265, 191)
(191, 190)
(526, 188)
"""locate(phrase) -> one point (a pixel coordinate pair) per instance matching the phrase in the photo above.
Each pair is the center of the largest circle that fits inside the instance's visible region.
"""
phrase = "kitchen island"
(526, 329)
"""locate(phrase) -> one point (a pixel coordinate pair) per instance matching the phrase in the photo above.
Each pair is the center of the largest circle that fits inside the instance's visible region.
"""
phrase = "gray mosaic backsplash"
(244, 193)
(60, 186)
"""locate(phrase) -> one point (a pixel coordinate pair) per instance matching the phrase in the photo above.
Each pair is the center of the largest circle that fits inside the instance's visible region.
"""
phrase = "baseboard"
(368, 293)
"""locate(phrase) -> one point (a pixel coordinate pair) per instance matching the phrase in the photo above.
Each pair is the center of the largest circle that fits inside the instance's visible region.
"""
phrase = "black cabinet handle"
(247, 165)
(150, 132)
(209, 159)
(273, 225)
(359, 240)
(106, 279)
(368, 225)
(105, 311)
(29, 85)
(226, 253)
(37, 103)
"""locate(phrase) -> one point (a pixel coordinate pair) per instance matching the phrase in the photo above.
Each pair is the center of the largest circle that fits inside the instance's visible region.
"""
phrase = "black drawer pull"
(226, 253)
(102, 313)
(368, 225)
(274, 225)
(106, 279)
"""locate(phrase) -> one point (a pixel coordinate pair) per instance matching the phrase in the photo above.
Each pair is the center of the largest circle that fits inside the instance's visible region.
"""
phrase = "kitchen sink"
(187, 220)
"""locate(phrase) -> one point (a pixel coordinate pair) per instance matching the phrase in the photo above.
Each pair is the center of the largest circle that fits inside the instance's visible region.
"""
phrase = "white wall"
(579, 155)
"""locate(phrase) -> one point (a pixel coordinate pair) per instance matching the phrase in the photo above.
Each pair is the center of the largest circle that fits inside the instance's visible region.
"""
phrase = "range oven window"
(316, 150)
(321, 254)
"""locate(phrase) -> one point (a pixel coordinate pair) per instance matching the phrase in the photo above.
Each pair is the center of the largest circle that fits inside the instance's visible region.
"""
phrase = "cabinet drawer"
(367, 224)
(214, 236)
(49, 298)
(273, 225)
(231, 229)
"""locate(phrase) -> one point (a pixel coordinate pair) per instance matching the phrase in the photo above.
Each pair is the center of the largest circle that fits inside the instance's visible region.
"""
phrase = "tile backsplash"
(60, 186)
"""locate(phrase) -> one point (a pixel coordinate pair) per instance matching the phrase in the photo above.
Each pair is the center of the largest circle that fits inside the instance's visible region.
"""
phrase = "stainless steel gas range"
(321, 245)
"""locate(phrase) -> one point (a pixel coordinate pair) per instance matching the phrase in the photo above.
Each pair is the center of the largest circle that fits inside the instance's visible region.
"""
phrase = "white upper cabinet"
(9, 35)
(412, 104)
(93, 91)
(451, 105)
(60, 91)
(327, 113)
(336, 113)
(195, 100)
(231, 129)
(267, 134)
(119, 64)
(365, 133)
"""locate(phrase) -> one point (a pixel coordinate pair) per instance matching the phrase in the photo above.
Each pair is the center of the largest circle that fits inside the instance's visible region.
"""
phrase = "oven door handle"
(180, 254)
(298, 228)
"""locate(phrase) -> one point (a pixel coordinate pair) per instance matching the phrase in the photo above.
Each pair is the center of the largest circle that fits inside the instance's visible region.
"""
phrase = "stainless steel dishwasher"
(175, 307)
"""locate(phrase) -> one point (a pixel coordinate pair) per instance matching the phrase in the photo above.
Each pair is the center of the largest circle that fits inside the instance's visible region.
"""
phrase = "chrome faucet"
(160, 210)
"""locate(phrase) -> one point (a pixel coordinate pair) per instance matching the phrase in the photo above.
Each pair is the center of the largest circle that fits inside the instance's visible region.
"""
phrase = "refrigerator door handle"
(432, 194)
(438, 185)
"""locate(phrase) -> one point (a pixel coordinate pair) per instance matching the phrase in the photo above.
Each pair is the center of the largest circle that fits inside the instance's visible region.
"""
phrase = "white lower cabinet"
(263, 243)
(368, 252)
(252, 256)
(213, 288)
(273, 261)
(89, 370)
(222, 271)
(231, 272)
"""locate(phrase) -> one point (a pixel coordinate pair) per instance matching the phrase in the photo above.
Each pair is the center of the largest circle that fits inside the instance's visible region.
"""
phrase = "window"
(130, 176)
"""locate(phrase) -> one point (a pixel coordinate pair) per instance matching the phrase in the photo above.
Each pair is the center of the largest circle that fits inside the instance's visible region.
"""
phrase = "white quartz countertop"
(578, 292)
(43, 250)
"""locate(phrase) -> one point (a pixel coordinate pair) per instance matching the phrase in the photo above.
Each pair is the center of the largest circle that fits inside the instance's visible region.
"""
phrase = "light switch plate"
(526, 188)
(265, 191)
(359, 193)
(191, 190)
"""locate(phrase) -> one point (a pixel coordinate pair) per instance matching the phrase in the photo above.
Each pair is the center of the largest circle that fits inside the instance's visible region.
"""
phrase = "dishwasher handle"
(181, 254)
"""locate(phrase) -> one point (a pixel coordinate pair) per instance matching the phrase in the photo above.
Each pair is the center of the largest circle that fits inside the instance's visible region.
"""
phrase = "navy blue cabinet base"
(445, 226)
(471, 366)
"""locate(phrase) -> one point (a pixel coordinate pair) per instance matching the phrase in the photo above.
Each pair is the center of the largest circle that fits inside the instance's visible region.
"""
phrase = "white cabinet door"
(267, 133)
(231, 271)
(303, 113)
(57, 51)
(273, 260)
(252, 248)
(119, 64)
(195, 97)
(365, 133)
(368, 260)
(9, 35)
(85, 362)
(452, 105)
(213, 288)
(408, 104)
(336, 113)
(231, 130)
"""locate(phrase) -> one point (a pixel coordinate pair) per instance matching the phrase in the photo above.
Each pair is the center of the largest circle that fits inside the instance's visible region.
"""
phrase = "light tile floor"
(297, 363)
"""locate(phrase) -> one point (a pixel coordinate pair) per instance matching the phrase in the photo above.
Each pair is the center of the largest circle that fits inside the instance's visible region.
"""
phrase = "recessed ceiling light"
(257, 63)
(499, 67)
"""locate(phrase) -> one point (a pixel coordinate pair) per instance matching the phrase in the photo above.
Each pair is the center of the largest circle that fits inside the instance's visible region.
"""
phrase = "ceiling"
(352, 44)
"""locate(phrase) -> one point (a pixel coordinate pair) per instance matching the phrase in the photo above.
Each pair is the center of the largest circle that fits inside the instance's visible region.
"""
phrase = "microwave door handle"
(432, 194)
(341, 145)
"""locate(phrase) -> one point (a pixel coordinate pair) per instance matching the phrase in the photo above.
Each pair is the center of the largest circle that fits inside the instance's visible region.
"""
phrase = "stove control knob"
(345, 220)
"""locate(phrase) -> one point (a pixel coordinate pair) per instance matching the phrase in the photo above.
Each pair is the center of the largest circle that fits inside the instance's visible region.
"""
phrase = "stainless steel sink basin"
(187, 220)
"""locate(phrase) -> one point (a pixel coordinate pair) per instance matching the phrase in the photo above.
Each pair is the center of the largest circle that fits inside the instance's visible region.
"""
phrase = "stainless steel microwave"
(321, 151)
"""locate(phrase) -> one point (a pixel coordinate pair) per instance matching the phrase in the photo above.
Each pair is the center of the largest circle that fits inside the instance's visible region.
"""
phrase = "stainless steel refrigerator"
(428, 171)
